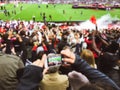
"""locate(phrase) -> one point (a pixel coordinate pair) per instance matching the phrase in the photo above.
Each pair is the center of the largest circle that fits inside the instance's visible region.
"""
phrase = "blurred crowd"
(66, 1)
(28, 41)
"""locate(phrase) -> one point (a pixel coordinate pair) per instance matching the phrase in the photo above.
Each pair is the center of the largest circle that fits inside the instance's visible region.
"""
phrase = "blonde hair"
(87, 55)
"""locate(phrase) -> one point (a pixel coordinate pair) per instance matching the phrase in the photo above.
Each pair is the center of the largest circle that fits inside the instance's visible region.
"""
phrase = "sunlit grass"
(30, 10)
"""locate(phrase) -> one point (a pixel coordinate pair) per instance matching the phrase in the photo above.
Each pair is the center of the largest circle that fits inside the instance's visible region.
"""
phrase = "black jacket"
(31, 78)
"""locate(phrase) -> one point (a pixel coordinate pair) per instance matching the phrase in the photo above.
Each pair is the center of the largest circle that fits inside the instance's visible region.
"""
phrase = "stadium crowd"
(65, 1)
(91, 59)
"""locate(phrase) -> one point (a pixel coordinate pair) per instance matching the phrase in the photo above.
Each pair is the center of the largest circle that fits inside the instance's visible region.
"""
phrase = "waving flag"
(93, 19)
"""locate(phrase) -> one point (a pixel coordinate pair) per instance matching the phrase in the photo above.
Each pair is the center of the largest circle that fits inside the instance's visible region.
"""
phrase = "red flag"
(93, 19)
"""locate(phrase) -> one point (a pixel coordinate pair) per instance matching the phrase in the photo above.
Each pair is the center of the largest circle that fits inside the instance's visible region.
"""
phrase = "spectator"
(35, 71)
(63, 42)
(9, 65)
(28, 83)
(85, 70)
(108, 62)
(77, 80)
(53, 80)
(87, 55)
(17, 36)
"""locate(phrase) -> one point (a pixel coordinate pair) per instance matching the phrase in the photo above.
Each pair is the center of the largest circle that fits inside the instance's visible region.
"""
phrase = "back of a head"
(113, 47)
(40, 51)
(53, 69)
(88, 56)
(22, 33)
(107, 62)
(77, 80)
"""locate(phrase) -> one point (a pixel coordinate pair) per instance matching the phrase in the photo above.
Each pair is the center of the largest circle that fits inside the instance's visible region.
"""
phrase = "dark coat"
(9, 64)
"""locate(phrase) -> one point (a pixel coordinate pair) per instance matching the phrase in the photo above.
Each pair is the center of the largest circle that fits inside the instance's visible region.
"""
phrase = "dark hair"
(106, 62)
(113, 47)
(22, 33)
(5, 36)
(53, 69)
(97, 39)
(40, 54)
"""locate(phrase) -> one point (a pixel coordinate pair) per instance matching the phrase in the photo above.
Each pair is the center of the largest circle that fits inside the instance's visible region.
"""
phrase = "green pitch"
(56, 12)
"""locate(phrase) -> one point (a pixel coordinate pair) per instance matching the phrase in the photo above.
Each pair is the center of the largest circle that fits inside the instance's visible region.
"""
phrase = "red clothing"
(2, 30)
(34, 48)
(89, 46)
(45, 48)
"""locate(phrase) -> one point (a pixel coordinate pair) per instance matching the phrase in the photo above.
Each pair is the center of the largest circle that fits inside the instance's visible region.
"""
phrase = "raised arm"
(81, 65)
(32, 75)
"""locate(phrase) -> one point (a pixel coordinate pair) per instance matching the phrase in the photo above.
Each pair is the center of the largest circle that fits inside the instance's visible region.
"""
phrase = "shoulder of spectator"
(10, 56)
(34, 69)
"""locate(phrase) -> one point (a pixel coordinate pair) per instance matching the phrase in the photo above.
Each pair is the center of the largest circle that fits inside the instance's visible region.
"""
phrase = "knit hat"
(77, 80)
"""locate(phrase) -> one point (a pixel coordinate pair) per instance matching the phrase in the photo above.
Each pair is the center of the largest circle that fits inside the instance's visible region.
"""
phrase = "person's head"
(5, 36)
(64, 35)
(22, 33)
(77, 80)
(76, 35)
(53, 69)
(39, 52)
(113, 47)
(97, 39)
(107, 62)
(88, 56)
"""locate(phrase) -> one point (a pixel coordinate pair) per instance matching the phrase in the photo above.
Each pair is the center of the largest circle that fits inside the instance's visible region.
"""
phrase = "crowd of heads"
(30, 40)
(53, 37)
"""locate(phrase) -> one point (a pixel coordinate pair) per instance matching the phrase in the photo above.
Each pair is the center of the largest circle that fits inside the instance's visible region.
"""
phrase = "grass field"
(30, 10)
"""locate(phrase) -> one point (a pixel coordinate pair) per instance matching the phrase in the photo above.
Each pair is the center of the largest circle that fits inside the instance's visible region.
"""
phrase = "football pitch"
(58, 12)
